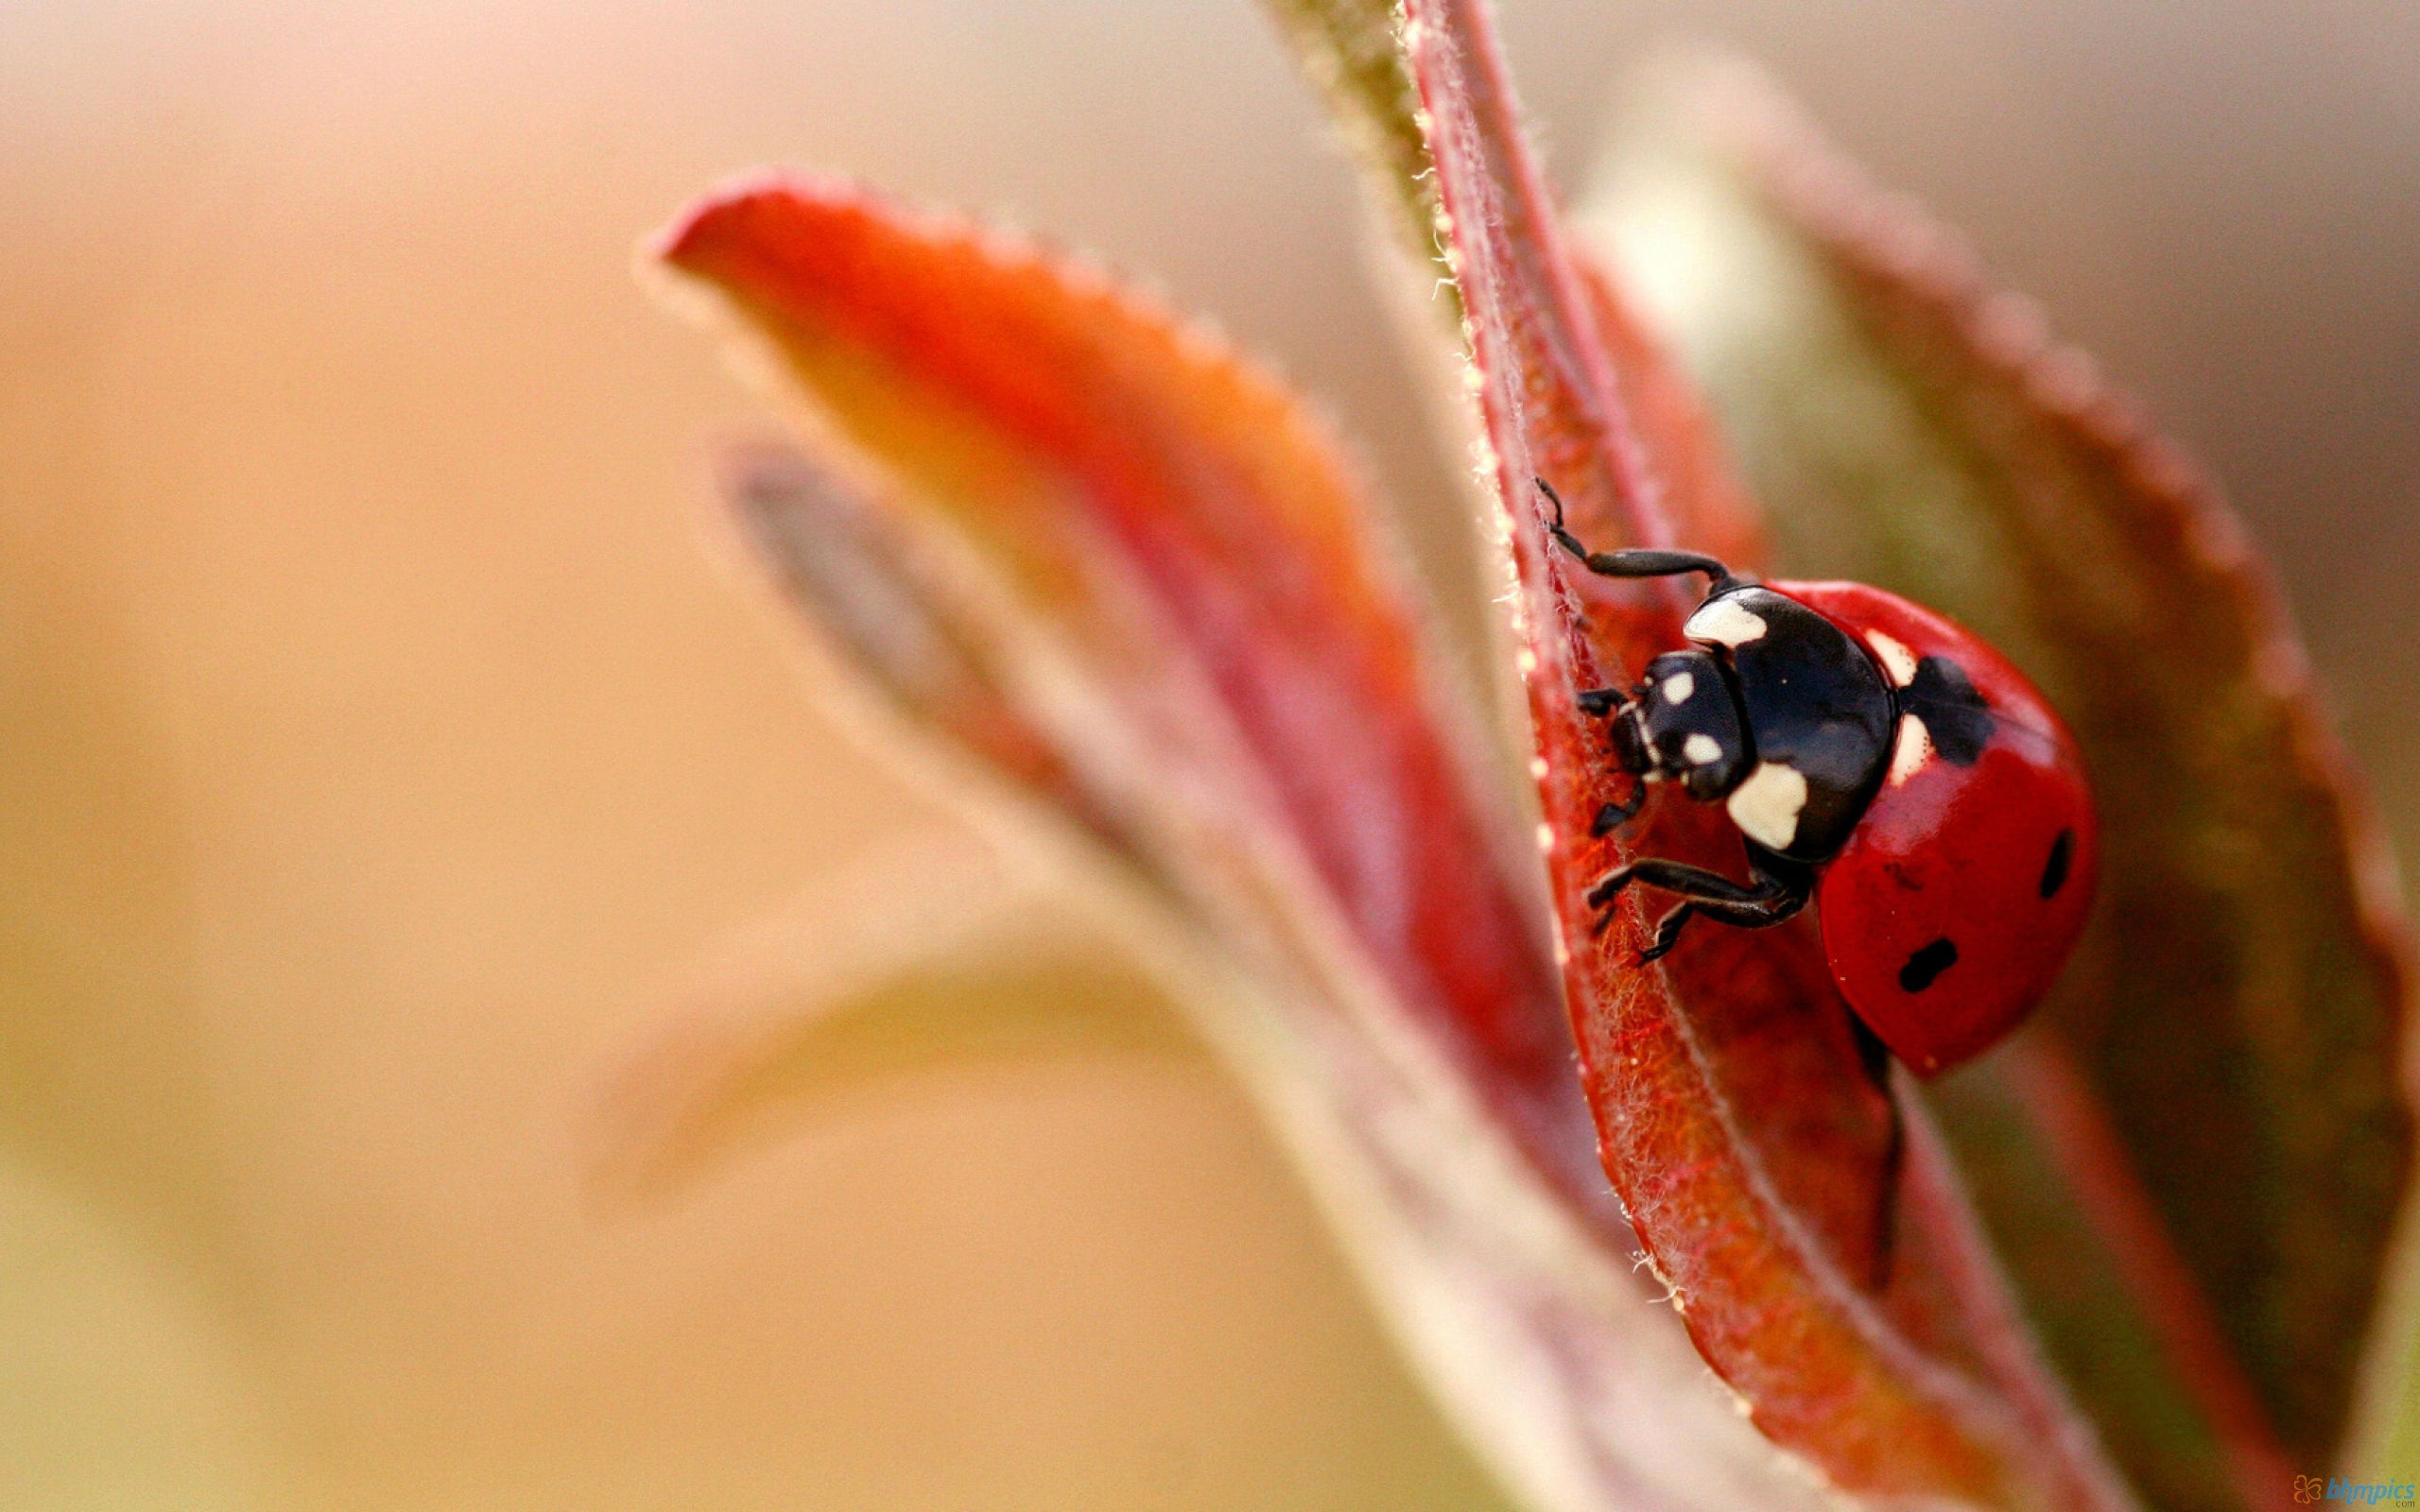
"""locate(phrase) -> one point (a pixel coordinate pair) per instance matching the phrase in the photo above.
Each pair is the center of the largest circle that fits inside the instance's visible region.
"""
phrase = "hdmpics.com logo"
(2310, 1489)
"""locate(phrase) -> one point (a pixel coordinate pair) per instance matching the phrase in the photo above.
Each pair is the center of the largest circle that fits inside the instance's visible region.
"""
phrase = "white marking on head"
(1701, 750)
(1724, 622)
(1767, 805)
(1913, 750)
(1897, 659)
(1678, 687)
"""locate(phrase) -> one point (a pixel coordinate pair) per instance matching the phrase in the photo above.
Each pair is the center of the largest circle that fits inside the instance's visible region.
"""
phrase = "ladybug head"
(1682, 723)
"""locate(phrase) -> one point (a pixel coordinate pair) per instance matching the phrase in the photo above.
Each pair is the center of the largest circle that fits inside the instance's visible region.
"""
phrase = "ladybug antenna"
(1633, 563)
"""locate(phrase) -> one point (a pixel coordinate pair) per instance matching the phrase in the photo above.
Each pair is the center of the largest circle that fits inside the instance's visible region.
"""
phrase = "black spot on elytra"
(1945, 698)
(2054, 870)
(1924, 967)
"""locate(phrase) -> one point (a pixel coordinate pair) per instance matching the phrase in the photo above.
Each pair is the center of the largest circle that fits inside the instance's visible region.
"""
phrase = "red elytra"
(1998, 859)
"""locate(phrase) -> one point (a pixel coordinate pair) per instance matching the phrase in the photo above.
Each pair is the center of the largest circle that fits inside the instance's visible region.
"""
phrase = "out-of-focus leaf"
(1140, 556)
(905, 608)
(2104, 1284)
(1726, 1089)
(1348, 49)
(870, 978)
(2234, 1021)
(1192, 548)
(1686, 462)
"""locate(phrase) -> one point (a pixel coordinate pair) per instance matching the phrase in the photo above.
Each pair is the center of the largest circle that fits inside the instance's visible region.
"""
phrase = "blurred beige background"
(385, 757)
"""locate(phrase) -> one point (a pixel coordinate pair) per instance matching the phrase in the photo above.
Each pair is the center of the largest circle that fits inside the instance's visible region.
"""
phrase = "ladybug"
(1878, 761)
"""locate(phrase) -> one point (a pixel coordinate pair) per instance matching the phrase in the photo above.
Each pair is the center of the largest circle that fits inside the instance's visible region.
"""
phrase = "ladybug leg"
(1668, 933)
(1760, 915)
(1777, 895)
(1633, 563)
(1598, 703)
(1875, 1059)
(1613, 817)
(1698, 886)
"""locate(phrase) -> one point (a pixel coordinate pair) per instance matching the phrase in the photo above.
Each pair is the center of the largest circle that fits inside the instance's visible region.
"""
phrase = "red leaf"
(1085, 439)
(1930, 1388)
(1135, 552)
(2209, 1116)
(2200, 713)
